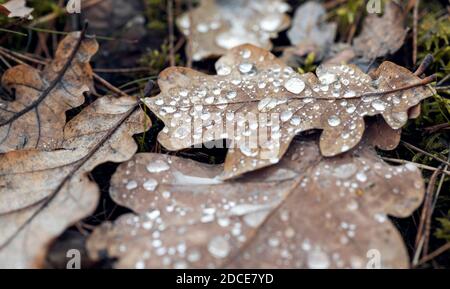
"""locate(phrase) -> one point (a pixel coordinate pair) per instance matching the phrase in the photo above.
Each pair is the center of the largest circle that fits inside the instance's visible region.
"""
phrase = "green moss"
(157, 59)
(444, 231)
(156, 14)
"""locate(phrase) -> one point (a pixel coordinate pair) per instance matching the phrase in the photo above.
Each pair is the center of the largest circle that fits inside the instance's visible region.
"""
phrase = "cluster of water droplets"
(233, 23)
(160, 188)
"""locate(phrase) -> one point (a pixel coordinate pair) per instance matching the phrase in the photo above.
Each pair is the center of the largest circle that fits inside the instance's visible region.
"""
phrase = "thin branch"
(189, 37)
(121, 70)
(434, 254)
(424, 152)
(415, 17)
(420, 166)
(171, 32)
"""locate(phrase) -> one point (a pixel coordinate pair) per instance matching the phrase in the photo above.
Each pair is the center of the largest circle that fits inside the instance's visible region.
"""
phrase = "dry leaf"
(218, 25)
(252, 85)
(42, 193)
(309, 31)
(35, 119)
(16, 8)
(381, 36)
(305, 212)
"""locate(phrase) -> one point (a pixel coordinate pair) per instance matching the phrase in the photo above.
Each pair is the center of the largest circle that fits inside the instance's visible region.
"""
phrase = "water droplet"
(294, 85)
(153, 214)
(317, 259)
(378, 105)
(350, 93)
(150, 185)
(180, 265)
(361, 176)
(245, 53)
(256, 218)
(223, 69)
(271, 22)
(219, 247)
(295, 121)
(247, 151)
(327, 78)
(229, 40)
(267, 104)
(274, 242)
(351, 108)
(411, 167)
(344, 171)
(166, 194)
(245, 67)
(400, 116)
(184, 21)
(352, 205)
(306, 245)
(380, 218)
(157, 166)
(334, 120)
(202, 27)
(194, 256)
(231, 94)
(181, 132)
(140, 265)
(286, 115)
(131, 185)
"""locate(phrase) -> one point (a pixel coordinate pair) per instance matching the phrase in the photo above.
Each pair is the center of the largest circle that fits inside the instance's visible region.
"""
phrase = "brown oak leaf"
(307, 211)
(381, 36)
(35, 118)
(218, 25)
(259, 104)
(309, 31)
(44, 192)
(16, 8)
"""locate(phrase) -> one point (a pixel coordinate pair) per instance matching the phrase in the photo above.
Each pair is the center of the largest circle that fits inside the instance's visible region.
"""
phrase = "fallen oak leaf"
(381, 36)
(305, 212)
(218, 25)
(35, 118)
(16, 8)
(309, 31)
(253, 84)
(44, 192)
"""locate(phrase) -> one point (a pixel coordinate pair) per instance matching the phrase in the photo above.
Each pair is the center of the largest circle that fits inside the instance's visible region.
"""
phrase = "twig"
(109, 85)
(434, 254)
(444, 79)
(420, 166)
(437, 127)
(5, 62)
(425, 208)
(416, 17)
(121, 70)
(353, 27)
(331, 4)
(7, 55)
(425, 153)
(426, 62)
(171, 32)
(430, 206)
(189, 37)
